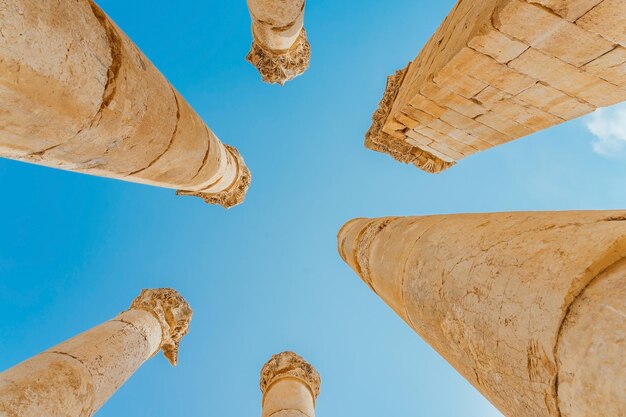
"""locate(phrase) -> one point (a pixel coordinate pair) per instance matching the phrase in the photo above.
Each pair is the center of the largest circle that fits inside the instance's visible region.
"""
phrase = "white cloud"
(608, 125)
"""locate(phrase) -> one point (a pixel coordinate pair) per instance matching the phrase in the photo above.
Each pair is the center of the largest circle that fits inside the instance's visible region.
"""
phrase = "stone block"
(488, 70)
(522, 113)
(451, 100)
(568, 9)
(491, 95)
(610, 66)
(554, 101)
(407, 121)
(568, 78)
(608, 19)
(426, 105)
(548, 32)
(440, 138)
(418, 115)
(504, 125)
(497, 45)
(443, 155)
(459, 83)
(417, 139)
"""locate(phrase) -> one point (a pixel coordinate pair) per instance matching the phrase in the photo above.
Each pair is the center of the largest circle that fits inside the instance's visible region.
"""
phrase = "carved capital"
(290, 365)
(377, 140)
(281, 66)
(172, 311)
(234, 194)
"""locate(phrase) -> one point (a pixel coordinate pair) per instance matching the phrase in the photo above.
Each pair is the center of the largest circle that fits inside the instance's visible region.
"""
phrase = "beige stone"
(554, 101)
(543, 30)
(610, 66)
(497, 45)
(522, 113)
(607, 20)
(458, 82)
(528, 307)
(509, 128)
(290, 386)
(491, 72)
(77, 94)
(280, 48)
(496, 71)
(75, 378)
(491, 95)
(569, 79)
(447, 99)
(568, 9)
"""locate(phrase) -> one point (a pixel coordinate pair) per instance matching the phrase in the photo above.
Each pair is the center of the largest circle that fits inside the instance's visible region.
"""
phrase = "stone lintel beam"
(499, 70)
(528, 307)
(78, 376)
(290, 386)
(280, 48)
(77, 94)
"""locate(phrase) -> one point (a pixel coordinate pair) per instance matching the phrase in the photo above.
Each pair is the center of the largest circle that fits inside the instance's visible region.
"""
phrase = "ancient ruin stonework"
(75, 378)
(290, 386)
(77, 94)
(280, 48)
(528, 307)
(498, 70)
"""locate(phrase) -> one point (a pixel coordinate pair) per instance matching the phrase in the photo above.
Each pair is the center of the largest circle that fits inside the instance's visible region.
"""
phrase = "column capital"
(173, 313)
(290, 365)
(280, 66)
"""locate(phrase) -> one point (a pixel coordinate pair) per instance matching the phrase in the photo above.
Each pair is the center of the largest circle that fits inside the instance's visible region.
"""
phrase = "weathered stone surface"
(498, 70)
(606, 20)
(76, 377)
(280, 48)
(508, 299)
(595, 323)
(568, 9)
(610, 66)
(547, 32)
(290, 386)
(77, 94)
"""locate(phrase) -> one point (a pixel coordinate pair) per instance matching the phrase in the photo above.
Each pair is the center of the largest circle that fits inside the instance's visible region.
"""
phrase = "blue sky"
(265, 276)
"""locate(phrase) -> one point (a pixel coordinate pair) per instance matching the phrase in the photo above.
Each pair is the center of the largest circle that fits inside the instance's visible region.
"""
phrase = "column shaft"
(528, 307)
(280, 49)
(77, 94)
(77, 377)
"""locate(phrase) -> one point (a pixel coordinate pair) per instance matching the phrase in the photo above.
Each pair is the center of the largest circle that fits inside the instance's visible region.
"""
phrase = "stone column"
(280, 49)
(77, 94)
(499, 70)
(529, 307)
(290, 386)
(75, 378)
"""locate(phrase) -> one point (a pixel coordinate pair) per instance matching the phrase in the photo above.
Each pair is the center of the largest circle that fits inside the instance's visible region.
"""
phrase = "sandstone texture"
(75, 378)
(498, 70)
(290, 386)
(529, 307)
(280, 48)
(77, 94)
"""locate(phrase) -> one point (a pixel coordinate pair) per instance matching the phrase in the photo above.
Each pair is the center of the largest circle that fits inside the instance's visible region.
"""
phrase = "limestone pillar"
(75, 378)
(290, 386)
(280, 49)
(529, 307)
(77, 94)
(499, 70)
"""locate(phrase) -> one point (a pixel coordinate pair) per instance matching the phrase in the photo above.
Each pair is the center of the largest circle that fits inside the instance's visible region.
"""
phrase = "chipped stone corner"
(173, 313)
(278, 67)
(233, 195)
(378, 140)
